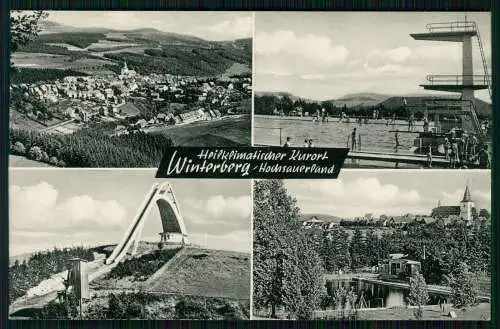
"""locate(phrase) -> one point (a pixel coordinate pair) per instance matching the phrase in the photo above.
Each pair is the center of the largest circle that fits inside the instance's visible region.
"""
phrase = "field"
(232, 131)
(19, 161)
(52, 61)
(18, 120)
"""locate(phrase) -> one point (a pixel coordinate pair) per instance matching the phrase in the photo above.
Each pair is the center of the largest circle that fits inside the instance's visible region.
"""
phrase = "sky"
(325, 55)
(63, 208)
(356, 193)
(215, 26)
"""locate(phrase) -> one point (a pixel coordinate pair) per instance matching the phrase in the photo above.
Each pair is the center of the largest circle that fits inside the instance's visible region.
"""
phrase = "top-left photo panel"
(116, 89)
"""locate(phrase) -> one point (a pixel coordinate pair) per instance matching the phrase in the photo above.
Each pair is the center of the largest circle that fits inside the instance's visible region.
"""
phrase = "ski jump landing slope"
(171, 218)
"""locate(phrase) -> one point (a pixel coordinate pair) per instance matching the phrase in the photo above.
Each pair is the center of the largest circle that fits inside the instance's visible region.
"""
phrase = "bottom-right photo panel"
(373, 245)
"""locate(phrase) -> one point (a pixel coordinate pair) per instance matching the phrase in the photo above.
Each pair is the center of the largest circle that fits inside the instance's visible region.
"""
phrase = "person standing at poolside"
(484, 158)
(397, 142)
(429, 157)
(287, 143)
(447, 149)
(426, 124)
(353, 139)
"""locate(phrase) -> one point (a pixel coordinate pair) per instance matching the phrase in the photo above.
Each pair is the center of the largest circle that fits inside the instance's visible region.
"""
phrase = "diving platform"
(397, 158)
(456, 83)
(447, 31)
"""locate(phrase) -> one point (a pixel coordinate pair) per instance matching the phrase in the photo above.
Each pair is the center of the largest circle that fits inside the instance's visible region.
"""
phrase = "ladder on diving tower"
(483, 58)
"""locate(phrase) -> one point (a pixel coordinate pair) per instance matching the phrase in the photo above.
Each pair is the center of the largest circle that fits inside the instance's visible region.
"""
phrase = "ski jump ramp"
(171, 218)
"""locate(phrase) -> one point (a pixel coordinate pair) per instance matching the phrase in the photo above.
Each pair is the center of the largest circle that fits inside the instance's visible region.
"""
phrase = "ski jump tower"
(466, 83)
(171, 219)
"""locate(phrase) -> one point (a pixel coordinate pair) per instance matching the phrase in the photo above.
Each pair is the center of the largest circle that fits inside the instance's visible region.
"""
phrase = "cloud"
(315, 48)
(399, 55)
(38, 208)
(481, 198)
(219, 210)
(236, 241)
(355, 198)
(238, 27)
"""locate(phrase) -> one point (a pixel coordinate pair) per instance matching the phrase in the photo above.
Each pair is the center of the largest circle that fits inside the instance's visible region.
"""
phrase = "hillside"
(483, 108)
(145, 50)
(280, 94)
(359, 100)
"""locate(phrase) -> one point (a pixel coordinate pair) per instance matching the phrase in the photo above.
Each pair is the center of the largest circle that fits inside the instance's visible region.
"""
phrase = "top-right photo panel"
(399, 89)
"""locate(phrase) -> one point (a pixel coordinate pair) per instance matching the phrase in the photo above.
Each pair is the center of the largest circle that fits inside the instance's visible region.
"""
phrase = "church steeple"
(467, 197)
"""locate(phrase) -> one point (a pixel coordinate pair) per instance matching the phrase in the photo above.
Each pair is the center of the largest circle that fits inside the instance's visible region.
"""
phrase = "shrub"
(18, 148)
(53, 161)
(35, 153)
(45, 157)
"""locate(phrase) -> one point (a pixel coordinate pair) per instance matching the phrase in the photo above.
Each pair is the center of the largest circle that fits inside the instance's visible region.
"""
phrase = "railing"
(469, 80)
(452, 26)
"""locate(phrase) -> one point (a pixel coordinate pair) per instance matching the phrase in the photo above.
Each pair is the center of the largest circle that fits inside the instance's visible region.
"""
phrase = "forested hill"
(145, 50)
(353, 104)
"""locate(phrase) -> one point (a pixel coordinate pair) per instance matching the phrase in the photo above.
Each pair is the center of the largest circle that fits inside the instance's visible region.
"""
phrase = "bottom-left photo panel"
(121, 244)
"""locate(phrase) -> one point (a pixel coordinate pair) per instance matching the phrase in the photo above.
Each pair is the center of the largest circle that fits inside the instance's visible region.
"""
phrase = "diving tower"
(172, 222)
(466, 83)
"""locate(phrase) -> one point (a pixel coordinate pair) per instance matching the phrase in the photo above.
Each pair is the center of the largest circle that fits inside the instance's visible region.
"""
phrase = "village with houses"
(464, 211)
(72, 102)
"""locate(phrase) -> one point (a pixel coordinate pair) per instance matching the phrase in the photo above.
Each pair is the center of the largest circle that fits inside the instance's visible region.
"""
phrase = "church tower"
(124, 69)
(466, 206)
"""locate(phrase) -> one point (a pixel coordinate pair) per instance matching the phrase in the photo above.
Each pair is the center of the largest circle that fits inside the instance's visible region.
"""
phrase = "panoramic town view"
(106, 89)
(399, 89)
(117, 245)
(368, 247)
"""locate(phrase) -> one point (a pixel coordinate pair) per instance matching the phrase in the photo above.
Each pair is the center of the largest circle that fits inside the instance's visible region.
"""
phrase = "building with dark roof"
(465, 210)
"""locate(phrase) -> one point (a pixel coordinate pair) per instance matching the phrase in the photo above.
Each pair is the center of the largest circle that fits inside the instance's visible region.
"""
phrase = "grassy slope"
(205, 272)
(479, 312)
(19, 161)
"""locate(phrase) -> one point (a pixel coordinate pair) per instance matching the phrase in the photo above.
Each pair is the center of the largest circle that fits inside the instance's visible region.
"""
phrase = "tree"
(358, 252)
(311, 272)
(463, 286)
(287, 269)
(275, 222)
(419, 295)
(35, 153)
(372, 244)
(484, 213)
(336, 251)
(24, 26)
